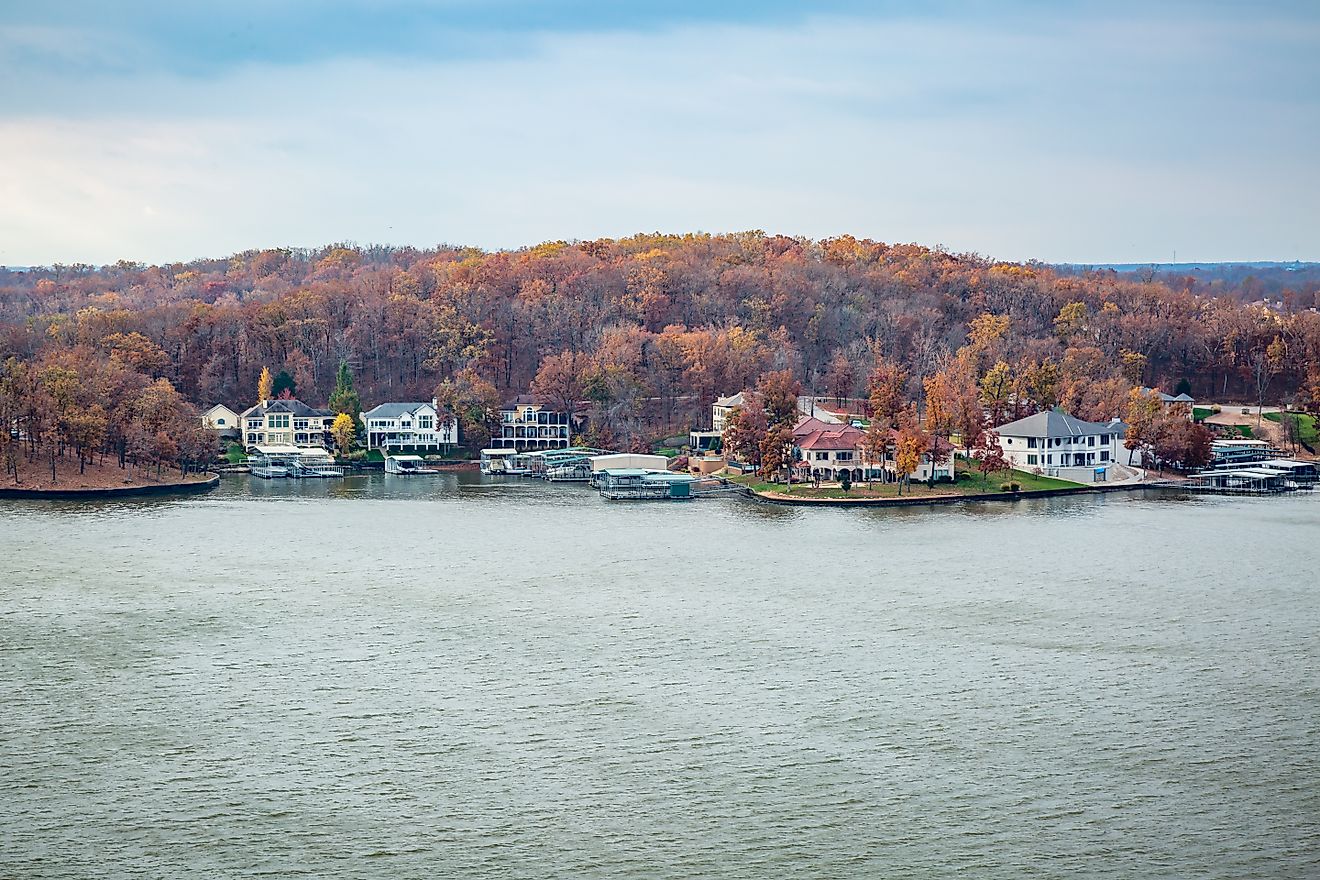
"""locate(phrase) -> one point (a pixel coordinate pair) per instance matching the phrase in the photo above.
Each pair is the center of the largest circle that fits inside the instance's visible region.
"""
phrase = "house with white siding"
(410, 425)
(1059, 445)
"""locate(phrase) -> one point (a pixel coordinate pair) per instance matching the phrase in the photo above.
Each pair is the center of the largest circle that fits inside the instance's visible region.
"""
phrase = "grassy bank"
(1306, 427)
(970, 482)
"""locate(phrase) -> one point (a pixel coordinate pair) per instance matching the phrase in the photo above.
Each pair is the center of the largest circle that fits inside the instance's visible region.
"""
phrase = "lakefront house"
(410, 425)
(223, 420)
(286, 423)
(526, 423)
(826, 450)
(1059, 445)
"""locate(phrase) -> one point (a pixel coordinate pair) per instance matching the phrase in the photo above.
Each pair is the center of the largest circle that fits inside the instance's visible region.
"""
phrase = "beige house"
(223, 420)
(828, 450)
(287, 423)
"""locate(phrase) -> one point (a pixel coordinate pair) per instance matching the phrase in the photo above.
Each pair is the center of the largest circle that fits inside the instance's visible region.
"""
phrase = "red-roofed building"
(829, 450)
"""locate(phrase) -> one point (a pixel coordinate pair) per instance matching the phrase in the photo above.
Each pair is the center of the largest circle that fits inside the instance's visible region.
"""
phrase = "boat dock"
(637, 484)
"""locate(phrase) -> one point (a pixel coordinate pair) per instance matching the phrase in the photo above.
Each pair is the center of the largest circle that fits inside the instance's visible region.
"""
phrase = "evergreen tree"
(284, 387)
(345, 399)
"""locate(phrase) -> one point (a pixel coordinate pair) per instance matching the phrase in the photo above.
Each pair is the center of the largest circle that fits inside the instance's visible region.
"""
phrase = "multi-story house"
(416, 426)
(527, 424)
(719, 411)
(827, 450)
(286, 423)
(1057, 444)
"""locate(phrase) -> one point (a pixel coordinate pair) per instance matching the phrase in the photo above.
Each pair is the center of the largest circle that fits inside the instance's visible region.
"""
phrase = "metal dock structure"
(633, 484)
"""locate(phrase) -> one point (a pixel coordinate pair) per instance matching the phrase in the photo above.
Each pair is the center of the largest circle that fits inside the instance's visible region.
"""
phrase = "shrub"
(1010, 487)
(845, 481)
(1216, 409)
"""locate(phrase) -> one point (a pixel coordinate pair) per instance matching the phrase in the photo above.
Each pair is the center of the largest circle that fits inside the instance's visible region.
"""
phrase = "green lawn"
(1305, 424)
(1201, 413)
(969, 483)
(1244, 430)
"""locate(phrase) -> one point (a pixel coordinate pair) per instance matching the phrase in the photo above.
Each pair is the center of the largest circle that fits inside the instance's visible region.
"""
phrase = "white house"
(525, 424)
(719, 411)
(286, 423)
(221, 419)
(1059, 445)
(410, 426)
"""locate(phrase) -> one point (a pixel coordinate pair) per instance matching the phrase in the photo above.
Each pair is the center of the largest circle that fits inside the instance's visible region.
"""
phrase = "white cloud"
(1016, 144)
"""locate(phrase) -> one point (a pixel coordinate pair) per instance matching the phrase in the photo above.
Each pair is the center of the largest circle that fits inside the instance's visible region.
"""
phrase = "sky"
(1060, 131)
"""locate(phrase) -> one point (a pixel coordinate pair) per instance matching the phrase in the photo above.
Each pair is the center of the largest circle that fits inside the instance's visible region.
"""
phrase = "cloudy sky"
(1090, 132)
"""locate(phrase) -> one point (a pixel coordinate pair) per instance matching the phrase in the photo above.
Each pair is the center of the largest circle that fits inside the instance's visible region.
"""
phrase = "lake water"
(459, 678)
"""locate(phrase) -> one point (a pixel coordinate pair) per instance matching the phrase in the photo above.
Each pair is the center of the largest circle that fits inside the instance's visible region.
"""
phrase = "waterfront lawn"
(970, 482)
(1306, 426)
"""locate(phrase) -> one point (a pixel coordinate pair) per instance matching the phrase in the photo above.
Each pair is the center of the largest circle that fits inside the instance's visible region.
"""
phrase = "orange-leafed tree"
(561, 380)
(887, 389)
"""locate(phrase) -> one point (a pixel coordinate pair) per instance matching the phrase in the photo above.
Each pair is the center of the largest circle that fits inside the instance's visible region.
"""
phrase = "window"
(1090, 441)
(1031, 442)
(300, 424)
(1049, 459)
(425, 423)
(1031, 459)
(1104, 455)
(843, 456)
(278, 421)
(822, 456)
(1104, 439)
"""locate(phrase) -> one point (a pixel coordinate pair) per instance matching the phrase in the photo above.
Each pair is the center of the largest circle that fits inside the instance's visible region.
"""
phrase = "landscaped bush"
(1010, 487)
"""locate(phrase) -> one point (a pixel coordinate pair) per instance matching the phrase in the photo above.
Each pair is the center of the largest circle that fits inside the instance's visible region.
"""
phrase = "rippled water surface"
(454, 678)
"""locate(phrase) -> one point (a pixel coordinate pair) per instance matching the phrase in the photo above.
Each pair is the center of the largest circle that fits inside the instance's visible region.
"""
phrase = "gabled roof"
(1057, 423)
(808, 424)
(521, 400)
(393, 410)
(295, 407)
(216, 407)
(739, 399)
(1169, 398)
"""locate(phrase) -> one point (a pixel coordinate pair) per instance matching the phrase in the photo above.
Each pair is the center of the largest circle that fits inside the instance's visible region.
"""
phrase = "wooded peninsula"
(641, 334)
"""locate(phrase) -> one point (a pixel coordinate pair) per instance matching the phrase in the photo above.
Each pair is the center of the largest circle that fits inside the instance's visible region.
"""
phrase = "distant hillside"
(1292, 266)
(1292, 284)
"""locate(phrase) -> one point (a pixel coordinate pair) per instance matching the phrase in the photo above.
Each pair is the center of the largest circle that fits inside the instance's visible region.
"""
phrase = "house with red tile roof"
(827, 450)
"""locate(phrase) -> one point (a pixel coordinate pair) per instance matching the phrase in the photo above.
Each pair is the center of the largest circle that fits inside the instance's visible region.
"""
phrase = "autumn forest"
(644, 332)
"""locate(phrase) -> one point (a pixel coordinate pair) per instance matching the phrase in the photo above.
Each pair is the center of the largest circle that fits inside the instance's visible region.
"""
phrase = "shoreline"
(951, 498)
(187, 487)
